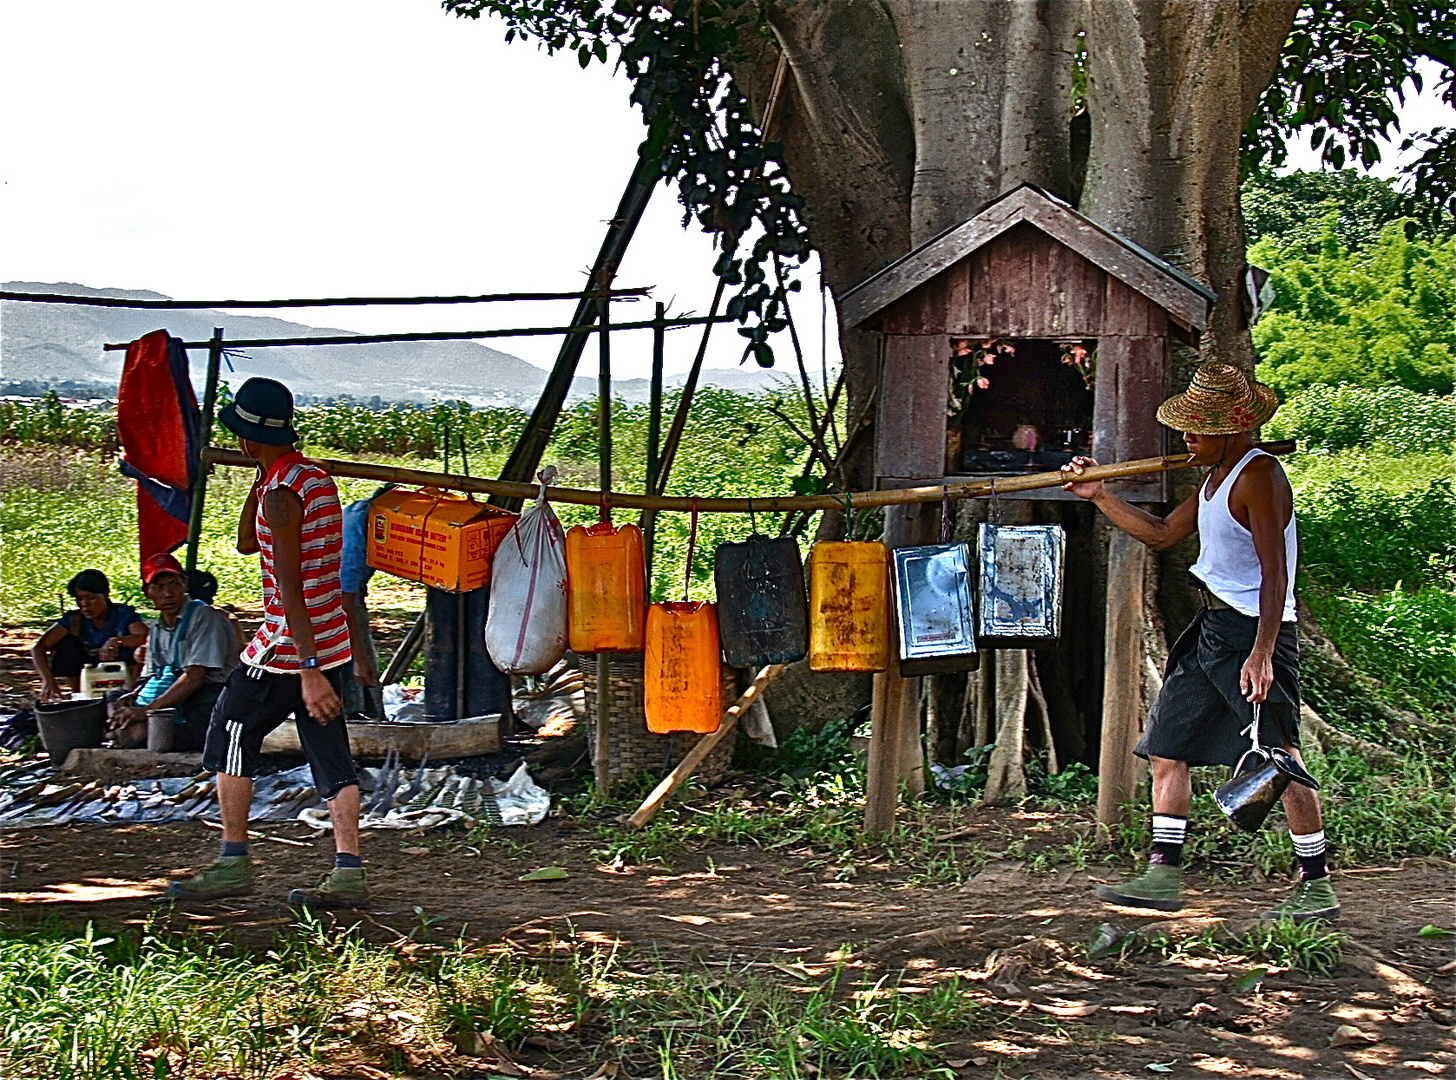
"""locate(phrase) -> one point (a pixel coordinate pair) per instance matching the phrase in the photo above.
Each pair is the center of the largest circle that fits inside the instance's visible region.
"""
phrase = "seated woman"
(190, 653)
(96, 631)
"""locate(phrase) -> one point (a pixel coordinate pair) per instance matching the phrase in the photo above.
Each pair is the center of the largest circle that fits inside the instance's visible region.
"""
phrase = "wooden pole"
(204, 435)
(1122, 678)
(578, 333)
(896, 756)
(318, 301)
(648, 520)
(601, 757)
(694, 757)
(932, 493)
(525, 457)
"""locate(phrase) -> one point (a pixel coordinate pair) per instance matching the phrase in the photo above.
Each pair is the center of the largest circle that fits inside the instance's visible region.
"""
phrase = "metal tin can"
(933, 603)
(1021, 581)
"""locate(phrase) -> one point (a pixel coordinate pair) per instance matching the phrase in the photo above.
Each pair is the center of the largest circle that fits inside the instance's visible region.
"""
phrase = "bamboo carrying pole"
(694, 757)
(970, 489)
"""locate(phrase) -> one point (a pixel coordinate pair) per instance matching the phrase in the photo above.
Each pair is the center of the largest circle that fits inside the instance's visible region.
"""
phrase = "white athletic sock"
(1308, 845)
(1168, 829)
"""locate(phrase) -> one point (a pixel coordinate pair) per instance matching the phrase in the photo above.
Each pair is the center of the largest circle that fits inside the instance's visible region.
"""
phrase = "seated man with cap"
(191, 651)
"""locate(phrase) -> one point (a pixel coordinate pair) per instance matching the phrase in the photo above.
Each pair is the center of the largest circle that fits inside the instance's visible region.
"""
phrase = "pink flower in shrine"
(983, 383)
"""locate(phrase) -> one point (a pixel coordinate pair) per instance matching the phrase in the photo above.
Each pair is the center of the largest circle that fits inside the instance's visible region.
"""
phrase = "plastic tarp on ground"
(393, 797)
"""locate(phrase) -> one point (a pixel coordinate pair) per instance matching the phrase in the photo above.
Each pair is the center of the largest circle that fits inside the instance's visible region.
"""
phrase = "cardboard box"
(435, 537)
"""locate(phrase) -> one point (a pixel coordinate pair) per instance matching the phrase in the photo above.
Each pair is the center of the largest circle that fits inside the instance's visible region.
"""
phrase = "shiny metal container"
(934, 607)
(1021, 581)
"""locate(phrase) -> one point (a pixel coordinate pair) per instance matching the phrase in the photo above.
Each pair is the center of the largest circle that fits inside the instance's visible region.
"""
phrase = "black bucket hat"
(261, 411)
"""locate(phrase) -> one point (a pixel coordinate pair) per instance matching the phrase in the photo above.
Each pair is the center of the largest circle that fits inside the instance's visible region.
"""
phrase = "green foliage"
(50, 422)
(1392, 418)
(804, 753)
(1341, 76)
(1075, 786)
(1384, 315)
(1311, 947)
(1406, 639)
(1295, 209)
(700, 130)
(1358, 535)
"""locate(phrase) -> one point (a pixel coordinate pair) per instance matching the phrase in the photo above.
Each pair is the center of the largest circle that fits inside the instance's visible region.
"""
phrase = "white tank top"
(1227, 562)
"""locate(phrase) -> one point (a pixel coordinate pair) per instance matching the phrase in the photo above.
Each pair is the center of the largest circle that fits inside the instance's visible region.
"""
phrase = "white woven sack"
(525, 628)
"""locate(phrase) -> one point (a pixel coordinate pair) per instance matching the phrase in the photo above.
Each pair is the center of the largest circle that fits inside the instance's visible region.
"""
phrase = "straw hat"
(1221, 400)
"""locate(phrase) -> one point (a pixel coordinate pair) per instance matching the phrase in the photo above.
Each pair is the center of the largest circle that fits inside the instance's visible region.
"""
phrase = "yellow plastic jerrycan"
(683, 685)
(606, 588)
(849, 608)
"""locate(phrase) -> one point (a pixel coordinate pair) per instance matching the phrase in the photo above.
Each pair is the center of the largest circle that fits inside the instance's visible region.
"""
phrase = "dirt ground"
(1018, 936)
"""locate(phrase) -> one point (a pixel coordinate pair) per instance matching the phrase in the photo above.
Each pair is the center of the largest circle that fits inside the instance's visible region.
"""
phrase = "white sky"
(322, 148)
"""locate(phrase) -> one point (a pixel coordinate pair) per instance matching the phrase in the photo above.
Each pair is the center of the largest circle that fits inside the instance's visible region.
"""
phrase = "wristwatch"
(308, 663)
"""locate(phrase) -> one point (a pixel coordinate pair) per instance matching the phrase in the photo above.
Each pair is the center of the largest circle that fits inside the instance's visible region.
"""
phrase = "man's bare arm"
(1262, 501)
(248, 524)
(1157, 533)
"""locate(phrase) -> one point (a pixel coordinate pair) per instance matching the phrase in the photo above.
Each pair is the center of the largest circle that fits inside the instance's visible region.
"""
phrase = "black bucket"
(68, 725)
(1258, 783)
(763, 616)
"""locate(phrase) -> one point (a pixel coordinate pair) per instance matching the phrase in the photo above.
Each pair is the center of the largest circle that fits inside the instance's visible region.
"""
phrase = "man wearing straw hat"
(294, 664)
(1240, 651)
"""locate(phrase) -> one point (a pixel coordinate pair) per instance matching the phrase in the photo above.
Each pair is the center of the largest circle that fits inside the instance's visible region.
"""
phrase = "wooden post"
(526, 456)
(1118, 770)
(648, 520)
(896, 756)
(601, 757)
(199, 482)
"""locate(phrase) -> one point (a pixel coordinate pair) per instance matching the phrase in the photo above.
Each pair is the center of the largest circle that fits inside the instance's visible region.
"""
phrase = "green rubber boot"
(1312, 899)
(1159, 886)
(343, 887)
(231, 875)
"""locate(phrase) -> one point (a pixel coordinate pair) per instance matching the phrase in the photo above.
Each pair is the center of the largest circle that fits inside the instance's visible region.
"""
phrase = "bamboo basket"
(632, 748)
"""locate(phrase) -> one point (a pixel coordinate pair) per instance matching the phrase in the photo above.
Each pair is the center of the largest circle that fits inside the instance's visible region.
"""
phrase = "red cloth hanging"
(160, 428)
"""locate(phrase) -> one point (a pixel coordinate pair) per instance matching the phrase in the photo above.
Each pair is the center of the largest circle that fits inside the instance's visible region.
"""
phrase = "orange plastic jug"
(849, 610)
(683, 685)
(606, 588)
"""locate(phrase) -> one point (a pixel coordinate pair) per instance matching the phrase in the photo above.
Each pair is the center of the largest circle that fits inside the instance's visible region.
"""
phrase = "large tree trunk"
(906, 116)
(1170, 89)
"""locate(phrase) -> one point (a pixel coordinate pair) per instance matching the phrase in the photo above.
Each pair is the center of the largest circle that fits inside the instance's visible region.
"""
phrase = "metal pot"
(1258, 783)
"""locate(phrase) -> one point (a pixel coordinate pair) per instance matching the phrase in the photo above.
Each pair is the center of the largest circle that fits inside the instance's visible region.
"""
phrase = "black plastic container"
(763, 614)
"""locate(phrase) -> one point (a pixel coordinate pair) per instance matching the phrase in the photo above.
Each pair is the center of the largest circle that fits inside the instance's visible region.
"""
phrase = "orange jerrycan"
(849, 610)
(606, 588)
(683, 688)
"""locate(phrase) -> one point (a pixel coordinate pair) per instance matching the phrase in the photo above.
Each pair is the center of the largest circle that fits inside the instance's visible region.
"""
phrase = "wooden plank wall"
(1026, 284)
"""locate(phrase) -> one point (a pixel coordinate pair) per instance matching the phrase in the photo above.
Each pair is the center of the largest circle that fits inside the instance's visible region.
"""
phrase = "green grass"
(89, 1007)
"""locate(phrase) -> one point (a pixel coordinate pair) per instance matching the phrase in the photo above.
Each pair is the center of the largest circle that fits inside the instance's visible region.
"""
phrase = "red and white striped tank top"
(322, 538)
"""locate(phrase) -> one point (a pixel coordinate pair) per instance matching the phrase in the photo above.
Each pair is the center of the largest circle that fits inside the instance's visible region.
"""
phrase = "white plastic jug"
(97, 679)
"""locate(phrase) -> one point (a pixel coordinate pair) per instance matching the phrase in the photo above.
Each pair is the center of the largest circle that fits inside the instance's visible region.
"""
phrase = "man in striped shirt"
(294, 664)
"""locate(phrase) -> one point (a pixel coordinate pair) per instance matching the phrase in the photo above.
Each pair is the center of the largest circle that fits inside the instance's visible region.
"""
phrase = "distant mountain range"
(44, 346)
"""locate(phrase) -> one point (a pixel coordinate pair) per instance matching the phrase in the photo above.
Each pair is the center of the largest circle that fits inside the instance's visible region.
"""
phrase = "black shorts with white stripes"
(252, 704)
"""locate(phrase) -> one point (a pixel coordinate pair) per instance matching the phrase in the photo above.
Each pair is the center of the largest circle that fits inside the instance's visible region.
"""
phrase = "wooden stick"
(972, 489)
(694, 757)
(443, 335)
(318, 301)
